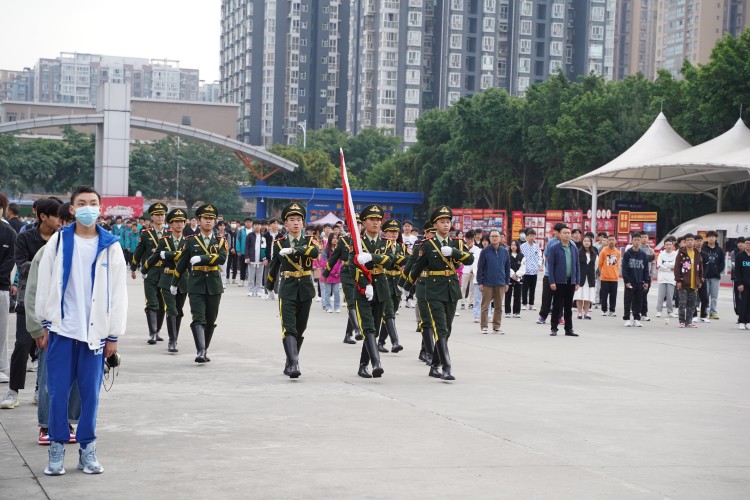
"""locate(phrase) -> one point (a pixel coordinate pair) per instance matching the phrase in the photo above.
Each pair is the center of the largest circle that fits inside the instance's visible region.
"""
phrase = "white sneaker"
(4, 379)
(658, 314)
(516, 315)
(458, 314)
(533, 308)
(605, 313)
(476, 320)
(705, 320)
(637, 323)
(507, 315)
(743, 326)
(10, 401)
(628, 323)
(484, 330)
(318, 299)
(672, 315)
(645, 318)
(250, 294)
(611, 313)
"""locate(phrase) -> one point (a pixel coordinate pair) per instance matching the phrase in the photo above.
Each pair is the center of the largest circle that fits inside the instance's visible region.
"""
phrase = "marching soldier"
(149, 241)
(428, 337)
(392, 232)
(370, 300)
(292, 261)
(206, 253)
(166, 256)
(342, 252)
(436, 264)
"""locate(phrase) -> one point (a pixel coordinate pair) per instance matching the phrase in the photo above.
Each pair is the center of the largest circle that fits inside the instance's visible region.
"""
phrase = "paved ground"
(653, 412)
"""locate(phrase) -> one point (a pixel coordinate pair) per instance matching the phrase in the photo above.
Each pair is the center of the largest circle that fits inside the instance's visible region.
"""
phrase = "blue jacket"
(556, 264)
(493, 268)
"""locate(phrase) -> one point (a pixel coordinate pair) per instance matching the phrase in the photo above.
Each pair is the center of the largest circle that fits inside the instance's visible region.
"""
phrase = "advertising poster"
(123, 206)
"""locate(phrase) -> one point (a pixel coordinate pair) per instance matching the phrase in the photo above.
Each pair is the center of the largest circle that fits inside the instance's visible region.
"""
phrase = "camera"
(112, 362)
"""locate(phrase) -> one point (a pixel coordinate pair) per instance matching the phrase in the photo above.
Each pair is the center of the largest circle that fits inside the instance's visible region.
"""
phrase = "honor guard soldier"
(428, 339)
(205, 253)
(371, 299)
(342, 252)
(292, 261)
(395, 247)
(436, 263)
(166, 256)
(149, 241)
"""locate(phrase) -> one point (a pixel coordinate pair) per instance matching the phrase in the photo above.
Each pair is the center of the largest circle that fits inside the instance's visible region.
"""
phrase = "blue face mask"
(87, 215)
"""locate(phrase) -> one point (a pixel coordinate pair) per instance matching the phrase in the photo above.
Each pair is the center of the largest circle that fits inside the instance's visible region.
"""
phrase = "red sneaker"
(562, 321)
(72, 434)
(43, 437)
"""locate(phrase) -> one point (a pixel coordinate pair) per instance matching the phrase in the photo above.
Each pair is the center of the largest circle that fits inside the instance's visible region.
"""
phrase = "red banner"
(351, 222)
(517, 224)
(623, 222)
(123, 206)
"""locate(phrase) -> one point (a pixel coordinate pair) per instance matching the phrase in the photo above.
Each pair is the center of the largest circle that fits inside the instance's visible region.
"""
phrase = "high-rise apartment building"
(635, 38)
(390, 67)
(593, 40)
(17, 85)
(73, 78)
(284, 62)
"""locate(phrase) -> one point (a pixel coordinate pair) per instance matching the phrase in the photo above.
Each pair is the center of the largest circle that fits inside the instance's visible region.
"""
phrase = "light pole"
(177, 189)
(303, 126)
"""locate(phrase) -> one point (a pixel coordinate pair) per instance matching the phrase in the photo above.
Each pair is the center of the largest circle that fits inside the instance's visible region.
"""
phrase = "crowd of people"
(437, 272)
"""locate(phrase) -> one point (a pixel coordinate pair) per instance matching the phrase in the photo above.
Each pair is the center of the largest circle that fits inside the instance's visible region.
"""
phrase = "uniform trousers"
(70, 360)
(440, 317)
(294, 314)
(173, 303)
(369, 316)
(205, 308)
(154, 298)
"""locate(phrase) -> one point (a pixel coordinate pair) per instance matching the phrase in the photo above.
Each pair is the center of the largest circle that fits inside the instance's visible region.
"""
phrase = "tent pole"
(594, 200)
(719, 198)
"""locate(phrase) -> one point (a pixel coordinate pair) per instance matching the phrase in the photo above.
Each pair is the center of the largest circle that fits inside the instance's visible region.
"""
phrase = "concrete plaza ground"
(653, 412)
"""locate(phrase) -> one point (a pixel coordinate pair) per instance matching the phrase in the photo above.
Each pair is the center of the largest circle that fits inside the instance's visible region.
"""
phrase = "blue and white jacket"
(109, 298)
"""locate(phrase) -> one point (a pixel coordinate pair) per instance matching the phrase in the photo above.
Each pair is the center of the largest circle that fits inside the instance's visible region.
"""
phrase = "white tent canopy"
(662, 161)
(329, 218)
(728, 224)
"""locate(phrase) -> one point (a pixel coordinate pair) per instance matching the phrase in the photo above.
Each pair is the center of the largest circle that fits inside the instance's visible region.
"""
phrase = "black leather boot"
(177, 332)
(428, 339)
(209, 335)
(422, 354)
(390, 325)
(372, 350)
(364, 360)
(381, 337)
(435, 361)
(199, 336)
(348, 335)
(172, 332)
(159, 322)
(355, 324)
(290, 348)
(442, 348)
(151, 322)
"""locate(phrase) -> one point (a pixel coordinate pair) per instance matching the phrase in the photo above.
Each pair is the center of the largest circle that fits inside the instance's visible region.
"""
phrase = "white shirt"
(77, 298)
(409, 241)
(258, 242)
(665, 269)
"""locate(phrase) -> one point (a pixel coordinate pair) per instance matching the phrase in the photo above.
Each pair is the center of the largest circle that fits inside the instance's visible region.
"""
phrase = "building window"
(411, 115)
(554, 67)
(454, 79)
(485, 82)
(490, 6)
(456, 41)
(415, 19)
(414, 38)
(556, 49)
(453, 97)
(523, 83)
(525, 28)
(410, 134)
(524, 46)
(488, 24)
(526, 8)
(524, 65)
(186, 120)
(457, 22)
(557, 30)
(454, 61)
(558, 10)
(457, 4)
(597, 14)
(413, 57)
(413, 76)
(488, 63)
(502, 68)
(597, 32)
(412, 96)
(488, 43)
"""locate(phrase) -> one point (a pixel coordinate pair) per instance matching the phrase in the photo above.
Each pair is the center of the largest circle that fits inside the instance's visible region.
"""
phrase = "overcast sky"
(184, 30)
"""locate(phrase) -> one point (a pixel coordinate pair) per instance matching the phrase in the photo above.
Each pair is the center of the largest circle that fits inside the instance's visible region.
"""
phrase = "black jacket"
(713, 259)
(588, 271)
(16, 224)
(7, 251)
(265, 243)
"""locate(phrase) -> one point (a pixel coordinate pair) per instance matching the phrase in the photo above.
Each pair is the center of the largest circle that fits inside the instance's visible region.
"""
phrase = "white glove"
(364, 258)
(195, 259)
(369, 292)
(447, 251)
(173, 290)
(286, 251)
(402, 290)
(163, 255)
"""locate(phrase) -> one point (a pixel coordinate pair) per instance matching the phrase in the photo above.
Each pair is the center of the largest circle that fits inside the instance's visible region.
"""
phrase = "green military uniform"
(170, 246)
(393, 274)
(147, 244)
(428, 340)
(206, 254)
(342, 252)
(292, 261)
(370, 310)
(442, 290)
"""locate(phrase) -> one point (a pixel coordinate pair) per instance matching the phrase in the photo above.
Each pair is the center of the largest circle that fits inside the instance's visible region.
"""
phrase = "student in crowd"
(533, 256)
(636, 279)
(588, 264)
(715, 264)
(515, 283)
(609, 269)
(665, 276)
(563, 268)
(688, 275)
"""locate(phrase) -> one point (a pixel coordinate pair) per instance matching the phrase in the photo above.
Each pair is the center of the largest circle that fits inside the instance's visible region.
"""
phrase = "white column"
(594, 202)
(112, 148)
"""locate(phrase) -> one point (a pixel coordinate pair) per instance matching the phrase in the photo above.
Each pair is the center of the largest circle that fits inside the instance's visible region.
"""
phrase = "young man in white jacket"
(82, 302)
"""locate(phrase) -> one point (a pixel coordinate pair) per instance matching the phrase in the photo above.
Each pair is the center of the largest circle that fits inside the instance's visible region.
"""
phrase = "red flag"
(351, 220)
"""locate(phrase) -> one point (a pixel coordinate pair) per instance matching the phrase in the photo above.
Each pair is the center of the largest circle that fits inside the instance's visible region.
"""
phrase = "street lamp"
(303, 126)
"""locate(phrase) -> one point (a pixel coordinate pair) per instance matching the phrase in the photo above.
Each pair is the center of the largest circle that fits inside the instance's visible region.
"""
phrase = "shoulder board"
(456, 238)
(280, 238)
(145, 229)
(194, 235)
(165, 237)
